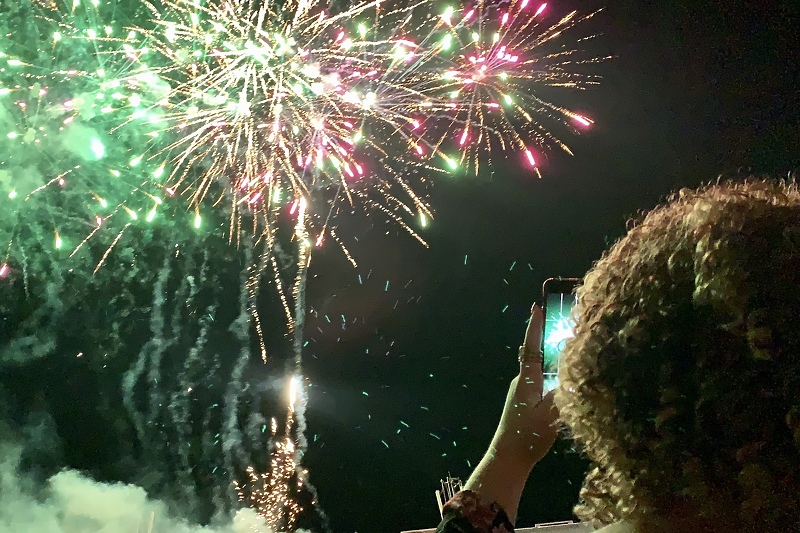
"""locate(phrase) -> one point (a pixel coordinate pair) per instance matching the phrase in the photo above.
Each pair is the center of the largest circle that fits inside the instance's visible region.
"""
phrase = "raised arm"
(526, 431)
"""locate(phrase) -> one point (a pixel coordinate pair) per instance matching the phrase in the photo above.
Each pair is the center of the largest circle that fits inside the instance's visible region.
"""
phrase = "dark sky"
(409, 355)
(695, 90)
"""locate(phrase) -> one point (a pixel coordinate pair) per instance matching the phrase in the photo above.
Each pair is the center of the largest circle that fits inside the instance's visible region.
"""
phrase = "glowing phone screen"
(558, 327)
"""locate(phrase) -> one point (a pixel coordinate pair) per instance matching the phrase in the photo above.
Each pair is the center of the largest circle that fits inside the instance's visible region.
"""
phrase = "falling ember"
(539, 11)
(5, 270)
(583, 121)
(531, 160)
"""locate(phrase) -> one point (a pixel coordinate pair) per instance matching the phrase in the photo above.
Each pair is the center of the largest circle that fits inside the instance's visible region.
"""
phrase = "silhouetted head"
(682, 383)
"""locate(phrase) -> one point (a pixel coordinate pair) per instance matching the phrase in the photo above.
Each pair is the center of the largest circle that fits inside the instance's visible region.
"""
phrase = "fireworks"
(494, 62)
(263, 106)
(128, 115)
(65, 169)
(267, 107)
(272, 104)
(271, 494)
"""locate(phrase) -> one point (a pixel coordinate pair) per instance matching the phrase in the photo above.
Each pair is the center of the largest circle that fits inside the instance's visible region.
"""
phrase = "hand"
(527, 427)
(526, 431)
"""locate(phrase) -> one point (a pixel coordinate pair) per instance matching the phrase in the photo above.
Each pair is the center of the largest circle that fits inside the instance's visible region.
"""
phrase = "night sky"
(695, 90)
(409, 355)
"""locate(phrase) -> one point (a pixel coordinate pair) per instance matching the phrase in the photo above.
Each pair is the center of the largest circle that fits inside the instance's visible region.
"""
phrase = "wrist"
(500, 477)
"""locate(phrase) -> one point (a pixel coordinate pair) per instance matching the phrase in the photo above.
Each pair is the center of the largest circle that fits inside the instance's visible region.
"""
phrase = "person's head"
(682, 383)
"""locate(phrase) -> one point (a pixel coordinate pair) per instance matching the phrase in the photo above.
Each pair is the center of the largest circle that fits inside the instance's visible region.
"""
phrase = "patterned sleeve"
(466, 513)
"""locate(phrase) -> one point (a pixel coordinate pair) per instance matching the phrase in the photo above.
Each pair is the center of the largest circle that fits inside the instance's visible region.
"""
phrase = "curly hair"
(682, 383)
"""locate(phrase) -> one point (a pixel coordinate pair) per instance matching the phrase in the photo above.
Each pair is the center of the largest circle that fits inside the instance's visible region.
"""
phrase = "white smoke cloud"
(73, 503)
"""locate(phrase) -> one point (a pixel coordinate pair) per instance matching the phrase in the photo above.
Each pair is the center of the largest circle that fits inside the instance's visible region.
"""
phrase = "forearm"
(500, 477)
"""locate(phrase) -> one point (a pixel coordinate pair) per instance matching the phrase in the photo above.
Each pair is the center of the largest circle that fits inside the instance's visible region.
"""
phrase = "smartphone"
(559, 299)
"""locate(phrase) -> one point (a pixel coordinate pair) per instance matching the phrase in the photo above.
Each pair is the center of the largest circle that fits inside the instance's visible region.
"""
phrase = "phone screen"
(558, 325)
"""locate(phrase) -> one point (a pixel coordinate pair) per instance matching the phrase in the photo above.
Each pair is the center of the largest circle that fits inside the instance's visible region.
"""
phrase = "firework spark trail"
(134, 374)
(179, 401)
(173, 329)
(178, 405)
(255, 276)
(232, 449)
(298, 401)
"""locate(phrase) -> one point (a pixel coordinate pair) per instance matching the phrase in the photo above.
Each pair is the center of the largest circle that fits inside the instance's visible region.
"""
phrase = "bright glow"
(97, 148)
(447, 42)
(294, 390)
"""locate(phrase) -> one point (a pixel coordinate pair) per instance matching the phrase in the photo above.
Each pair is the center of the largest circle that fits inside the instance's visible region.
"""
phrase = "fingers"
(548, 424)
(531, 368)
(533, 335)
(550, 408)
